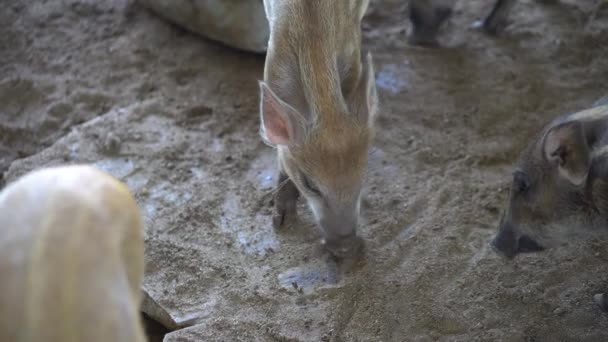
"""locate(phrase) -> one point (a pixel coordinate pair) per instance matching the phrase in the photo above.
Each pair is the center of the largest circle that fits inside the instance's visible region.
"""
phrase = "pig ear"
(365, 101)
(281, 124)
(566, 147)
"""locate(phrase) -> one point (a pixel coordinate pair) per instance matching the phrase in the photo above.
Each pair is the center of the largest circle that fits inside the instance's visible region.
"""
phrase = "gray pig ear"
(281, 124)
(565, 146)
(365, 100)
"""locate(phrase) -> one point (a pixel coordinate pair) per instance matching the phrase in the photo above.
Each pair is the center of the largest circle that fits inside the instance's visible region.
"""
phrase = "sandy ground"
(175, 116)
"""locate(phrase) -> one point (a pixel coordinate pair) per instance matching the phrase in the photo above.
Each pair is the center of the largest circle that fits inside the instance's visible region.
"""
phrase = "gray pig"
(559, 191)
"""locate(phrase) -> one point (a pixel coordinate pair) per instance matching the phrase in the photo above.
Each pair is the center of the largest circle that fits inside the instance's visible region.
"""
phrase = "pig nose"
(344, 247)
(504, 245)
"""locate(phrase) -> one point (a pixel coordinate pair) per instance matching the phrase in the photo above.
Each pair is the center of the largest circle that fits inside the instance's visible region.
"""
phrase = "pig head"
(558, 190)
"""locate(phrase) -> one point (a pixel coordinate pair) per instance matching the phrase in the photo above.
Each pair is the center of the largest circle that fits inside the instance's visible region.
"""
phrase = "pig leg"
(496, 21)
(285, 201)
(602, 300)
(426, 19)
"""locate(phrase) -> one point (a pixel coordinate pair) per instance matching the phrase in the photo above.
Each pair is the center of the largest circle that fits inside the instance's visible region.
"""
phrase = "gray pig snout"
(503, 246)
(505, 242)
(509, 244)
(339, 226)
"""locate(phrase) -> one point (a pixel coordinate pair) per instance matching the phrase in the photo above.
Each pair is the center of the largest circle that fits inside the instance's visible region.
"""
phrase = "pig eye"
(520, 181)
(310, 186)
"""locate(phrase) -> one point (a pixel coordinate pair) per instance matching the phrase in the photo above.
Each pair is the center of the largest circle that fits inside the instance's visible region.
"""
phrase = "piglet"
(318, 107)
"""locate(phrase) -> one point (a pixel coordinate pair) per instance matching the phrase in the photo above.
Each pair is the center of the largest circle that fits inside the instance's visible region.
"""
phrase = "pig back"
(71, 258)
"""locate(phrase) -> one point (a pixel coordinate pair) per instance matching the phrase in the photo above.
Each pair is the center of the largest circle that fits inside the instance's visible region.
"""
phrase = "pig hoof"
(505, 252)
(281, 220)
(443, 14)
(285, 202)
(493, 27)
(426, 24)
(283, 217)
(277, 221)
(602, 300)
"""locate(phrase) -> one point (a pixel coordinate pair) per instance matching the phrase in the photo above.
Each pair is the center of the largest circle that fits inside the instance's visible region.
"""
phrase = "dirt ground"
(176, 117)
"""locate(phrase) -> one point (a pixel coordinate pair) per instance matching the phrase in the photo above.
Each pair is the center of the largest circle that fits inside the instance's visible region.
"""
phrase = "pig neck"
(314, 88)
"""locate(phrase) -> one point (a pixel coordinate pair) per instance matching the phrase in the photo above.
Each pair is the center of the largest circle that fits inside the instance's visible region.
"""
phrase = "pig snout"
(505, 242)
(344, 247)
(340, 234)
(527, 245)
(509, 244)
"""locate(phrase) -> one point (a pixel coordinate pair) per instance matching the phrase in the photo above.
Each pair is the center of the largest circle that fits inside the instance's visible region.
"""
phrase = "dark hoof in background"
(602, 300)
(426, 21)
(278, 220)
(285, 202)
(508, 254)
(497, 20)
